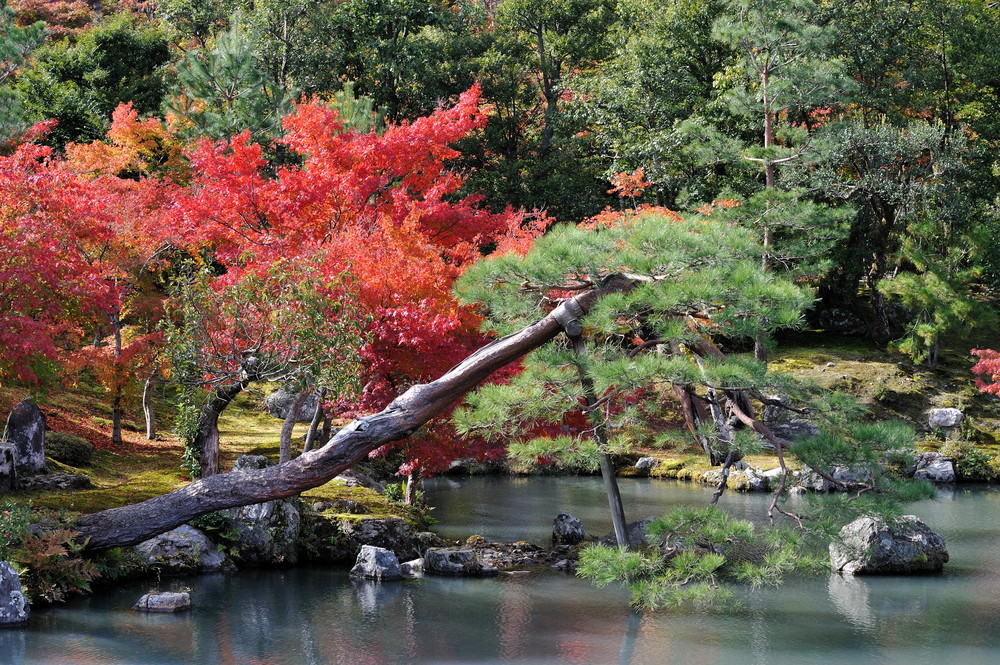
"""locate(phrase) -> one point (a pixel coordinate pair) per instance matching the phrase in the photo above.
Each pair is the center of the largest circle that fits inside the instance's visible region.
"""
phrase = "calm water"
(318, 615)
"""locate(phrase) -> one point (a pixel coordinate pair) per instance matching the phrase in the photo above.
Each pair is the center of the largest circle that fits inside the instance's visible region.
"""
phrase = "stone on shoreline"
(168, 601)
(377, 563)
(872, 546)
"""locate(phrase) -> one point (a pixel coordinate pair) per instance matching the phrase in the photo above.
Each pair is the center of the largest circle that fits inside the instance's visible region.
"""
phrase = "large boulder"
(872, 546)
(567, 530)
(167, 601)
(14, 609)
(280, 402)
(948, 421)
(25, 431)
(461, 562)
(327, 539)
(377, 563)
(264, 533)
(8, 468)
(181, 550)
(934, 467)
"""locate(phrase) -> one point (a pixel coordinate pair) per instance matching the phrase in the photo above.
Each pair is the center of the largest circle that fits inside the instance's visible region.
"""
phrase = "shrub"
(68, 449)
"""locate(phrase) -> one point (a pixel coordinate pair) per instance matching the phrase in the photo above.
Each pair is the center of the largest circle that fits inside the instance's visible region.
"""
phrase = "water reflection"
(321, 616)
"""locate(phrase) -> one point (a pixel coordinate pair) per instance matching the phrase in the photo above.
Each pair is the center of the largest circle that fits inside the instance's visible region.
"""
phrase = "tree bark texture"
(207, 437)
(133, 524)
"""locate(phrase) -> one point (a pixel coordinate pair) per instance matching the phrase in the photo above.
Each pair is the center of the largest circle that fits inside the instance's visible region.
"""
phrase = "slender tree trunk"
(601, 437)
(147, 407)
(324, 436)
(133, 524)
(285, 445)
(411, 489)
(116, 401)
(318, 414)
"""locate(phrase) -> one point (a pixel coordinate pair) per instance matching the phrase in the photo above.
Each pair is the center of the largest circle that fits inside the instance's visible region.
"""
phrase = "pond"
(319, 615)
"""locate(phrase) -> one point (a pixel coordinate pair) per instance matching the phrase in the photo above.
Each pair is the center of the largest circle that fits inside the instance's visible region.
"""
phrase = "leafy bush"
(49, 562)
(69, 449)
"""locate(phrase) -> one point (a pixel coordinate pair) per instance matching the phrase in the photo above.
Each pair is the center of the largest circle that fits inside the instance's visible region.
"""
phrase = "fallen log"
(135, 523)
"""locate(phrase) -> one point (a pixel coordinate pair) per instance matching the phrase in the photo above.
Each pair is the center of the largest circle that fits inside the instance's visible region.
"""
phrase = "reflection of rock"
(567, 530)
(13, 605)
(377, 563)
(872, 546)
(851, 598)
(373, 596)
(169, 601)
(934, 467)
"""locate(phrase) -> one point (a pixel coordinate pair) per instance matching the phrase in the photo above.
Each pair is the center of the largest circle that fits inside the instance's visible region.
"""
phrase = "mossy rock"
(68, 449)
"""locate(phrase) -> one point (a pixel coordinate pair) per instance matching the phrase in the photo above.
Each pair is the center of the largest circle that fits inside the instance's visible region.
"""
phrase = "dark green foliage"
(16, 43)
(79, 84)
(693, 553)
(69, 449)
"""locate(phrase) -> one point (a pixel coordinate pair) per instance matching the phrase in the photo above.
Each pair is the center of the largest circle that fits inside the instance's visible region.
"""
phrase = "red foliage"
(63, 18)
(989, 367)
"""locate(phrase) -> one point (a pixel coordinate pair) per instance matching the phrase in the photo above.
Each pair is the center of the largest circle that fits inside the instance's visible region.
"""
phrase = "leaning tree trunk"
(206, 439)
(132, 524)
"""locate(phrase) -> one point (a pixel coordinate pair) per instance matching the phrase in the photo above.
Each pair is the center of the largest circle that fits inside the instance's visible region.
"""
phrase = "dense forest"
(349, 197)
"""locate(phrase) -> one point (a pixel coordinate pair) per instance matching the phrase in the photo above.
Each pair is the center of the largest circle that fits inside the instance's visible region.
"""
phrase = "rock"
(871, 546)
(793, 429)
(567, 530)
(333, 539)
(251, 463)
(747, 480)
(813, 481)
(8, 468)
(353, 478)
(835, 319)
(391, 533)
(456, 563)
(281, 401)
(947, 420)
(636, 532)
(26, 433)
(55, 481)
(182, 550)
(349, 506)
(14, 610)
(646, 463)
(377, 563)
(415, 567)
(934, 467)
(266, 533)
(168, 601)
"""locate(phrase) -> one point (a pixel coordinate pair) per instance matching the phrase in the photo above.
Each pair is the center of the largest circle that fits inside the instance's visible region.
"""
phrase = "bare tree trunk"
(285, 445)
(411, 489)
(133, 524)
(601, 437)
(116, 401)
(314, 423)
(207, 437)
(147, 407)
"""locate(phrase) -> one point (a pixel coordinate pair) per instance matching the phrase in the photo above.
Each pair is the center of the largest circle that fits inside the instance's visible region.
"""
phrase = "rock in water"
(377, 563)
(26, 433)
(456, 563)
(168, 601)
(266, 533)
(567, 530)
(872, 546)
(934, 467)
(13, 605)
(182, 550)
